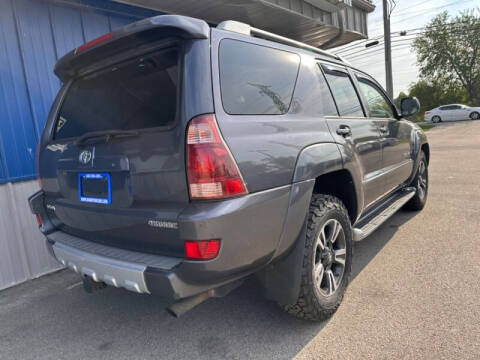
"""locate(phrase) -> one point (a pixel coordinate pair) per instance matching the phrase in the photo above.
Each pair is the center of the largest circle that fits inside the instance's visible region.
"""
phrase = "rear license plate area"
(94, 188)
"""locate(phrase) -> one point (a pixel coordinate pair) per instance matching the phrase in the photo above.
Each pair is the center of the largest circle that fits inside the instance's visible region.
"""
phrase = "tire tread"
(307, 307)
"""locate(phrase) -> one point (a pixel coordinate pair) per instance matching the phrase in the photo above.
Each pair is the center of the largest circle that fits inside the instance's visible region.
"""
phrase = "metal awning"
(310, 21)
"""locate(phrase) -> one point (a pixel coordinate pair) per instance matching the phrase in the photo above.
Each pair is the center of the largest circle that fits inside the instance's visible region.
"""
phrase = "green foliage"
(448, 54)
(440, 92)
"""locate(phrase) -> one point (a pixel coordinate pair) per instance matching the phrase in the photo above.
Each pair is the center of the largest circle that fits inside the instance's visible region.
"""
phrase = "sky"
(408, 14)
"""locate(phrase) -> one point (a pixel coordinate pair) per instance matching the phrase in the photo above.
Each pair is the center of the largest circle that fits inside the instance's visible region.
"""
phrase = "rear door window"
(137, 94)
(344, 93)
(256, 80)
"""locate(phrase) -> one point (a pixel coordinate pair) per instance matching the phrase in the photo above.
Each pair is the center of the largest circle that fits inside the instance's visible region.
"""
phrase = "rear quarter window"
(256, 80)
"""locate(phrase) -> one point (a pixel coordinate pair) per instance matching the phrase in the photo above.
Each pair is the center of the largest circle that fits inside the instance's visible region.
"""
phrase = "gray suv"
(178, 159)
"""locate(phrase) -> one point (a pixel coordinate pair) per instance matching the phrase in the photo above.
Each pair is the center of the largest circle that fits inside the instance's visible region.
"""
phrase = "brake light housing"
(39, 220)
(201, 249)
(93, 42)
(211, 169)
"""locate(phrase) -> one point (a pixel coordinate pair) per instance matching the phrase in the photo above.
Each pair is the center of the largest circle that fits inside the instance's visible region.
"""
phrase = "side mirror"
(409, 106)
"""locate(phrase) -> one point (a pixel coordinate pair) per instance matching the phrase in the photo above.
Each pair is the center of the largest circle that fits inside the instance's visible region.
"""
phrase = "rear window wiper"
(107, 134)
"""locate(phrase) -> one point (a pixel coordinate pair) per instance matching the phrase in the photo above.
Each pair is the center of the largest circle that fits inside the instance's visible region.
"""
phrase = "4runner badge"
(163, 224)
(85, 156)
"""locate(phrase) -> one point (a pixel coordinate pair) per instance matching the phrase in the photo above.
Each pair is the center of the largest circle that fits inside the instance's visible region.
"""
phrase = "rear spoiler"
(128, 38)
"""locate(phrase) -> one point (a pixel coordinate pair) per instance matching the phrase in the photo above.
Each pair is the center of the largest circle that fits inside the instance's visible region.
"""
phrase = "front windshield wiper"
(107, 134)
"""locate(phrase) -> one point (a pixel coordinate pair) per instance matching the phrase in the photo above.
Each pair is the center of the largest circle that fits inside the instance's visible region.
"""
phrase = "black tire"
(418, 201)
(475, 115)
(436, 119)
(313, 303)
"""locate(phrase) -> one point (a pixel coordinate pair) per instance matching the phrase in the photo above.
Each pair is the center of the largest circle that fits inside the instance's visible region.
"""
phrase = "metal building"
(34, 34)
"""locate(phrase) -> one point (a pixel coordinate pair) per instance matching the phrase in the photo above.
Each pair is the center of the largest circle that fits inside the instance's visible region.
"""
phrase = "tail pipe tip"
(180, 307)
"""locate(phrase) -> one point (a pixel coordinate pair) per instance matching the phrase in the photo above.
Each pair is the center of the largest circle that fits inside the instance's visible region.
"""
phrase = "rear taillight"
(202, 249)
(211, 170)
(427, 112)
(93, 42)
(39, 220)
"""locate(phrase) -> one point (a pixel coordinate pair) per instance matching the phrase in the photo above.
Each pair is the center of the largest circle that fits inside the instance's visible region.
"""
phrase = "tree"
(449, 51)
(436, 93)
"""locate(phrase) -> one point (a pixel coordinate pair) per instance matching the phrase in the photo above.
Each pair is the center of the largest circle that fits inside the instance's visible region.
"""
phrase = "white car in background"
(452, 112)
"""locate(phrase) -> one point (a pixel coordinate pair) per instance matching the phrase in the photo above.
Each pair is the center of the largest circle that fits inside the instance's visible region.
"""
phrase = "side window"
(255, 79)
(313, 94)
(344, 93)
(378, 106)
(456, 107)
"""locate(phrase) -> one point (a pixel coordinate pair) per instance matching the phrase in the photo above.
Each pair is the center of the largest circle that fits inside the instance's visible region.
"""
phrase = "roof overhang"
(310, 21)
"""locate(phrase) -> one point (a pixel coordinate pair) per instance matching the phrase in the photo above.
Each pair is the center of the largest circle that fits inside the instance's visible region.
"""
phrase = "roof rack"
(245, 29)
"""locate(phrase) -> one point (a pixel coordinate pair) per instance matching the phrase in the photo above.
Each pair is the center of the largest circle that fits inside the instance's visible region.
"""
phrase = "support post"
(388, 49)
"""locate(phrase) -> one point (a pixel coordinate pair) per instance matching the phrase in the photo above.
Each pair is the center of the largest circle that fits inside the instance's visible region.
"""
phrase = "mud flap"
(281, 280)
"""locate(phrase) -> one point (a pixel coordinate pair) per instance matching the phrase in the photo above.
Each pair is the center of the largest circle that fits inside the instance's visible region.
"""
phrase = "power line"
(360, 43)
(398, 39)
(379, 51)
(413, 6)
(407, 41)
(430, 9)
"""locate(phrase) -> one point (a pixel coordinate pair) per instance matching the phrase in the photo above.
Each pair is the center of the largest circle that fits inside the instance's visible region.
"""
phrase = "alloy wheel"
(330, 256)
(422, 180)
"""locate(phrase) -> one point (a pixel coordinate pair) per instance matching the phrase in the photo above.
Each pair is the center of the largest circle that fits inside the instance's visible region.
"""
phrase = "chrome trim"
(113, 272)
(384, 171)
(372, 225)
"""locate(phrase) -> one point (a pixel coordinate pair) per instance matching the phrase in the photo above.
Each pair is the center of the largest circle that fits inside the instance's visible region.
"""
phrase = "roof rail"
(245, 29)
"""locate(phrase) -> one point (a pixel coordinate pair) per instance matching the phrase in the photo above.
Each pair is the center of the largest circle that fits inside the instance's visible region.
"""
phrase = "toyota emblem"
(85, 157)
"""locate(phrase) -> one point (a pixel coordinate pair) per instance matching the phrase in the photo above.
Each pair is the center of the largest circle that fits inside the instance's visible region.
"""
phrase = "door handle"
(344, 130)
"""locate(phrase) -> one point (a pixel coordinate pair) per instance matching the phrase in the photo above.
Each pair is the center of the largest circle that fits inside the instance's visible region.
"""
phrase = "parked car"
(179, 159)
(452, 112)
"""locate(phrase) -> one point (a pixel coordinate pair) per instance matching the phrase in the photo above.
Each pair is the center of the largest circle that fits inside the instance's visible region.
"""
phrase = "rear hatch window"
(138, 94)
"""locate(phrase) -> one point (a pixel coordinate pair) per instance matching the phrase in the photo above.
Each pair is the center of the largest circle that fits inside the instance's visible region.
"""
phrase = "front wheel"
(327, 260)
(420, 182)
(475, 115)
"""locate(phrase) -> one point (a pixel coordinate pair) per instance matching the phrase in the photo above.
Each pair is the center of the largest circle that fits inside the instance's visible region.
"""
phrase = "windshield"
(134, 95)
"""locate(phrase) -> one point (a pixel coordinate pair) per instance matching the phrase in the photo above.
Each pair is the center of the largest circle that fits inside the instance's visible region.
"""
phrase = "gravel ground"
(415, 293)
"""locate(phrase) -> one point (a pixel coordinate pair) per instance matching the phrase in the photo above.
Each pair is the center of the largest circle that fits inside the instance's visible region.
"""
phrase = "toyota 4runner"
(178, 159)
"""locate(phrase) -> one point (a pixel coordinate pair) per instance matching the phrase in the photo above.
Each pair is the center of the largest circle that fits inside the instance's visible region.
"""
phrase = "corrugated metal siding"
(23, 254)
(33, 35)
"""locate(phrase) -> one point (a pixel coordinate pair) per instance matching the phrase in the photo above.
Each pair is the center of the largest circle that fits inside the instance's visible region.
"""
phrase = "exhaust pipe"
(180, 307)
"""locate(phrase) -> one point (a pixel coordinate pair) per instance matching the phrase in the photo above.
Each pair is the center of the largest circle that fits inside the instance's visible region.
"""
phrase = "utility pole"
(388, 48)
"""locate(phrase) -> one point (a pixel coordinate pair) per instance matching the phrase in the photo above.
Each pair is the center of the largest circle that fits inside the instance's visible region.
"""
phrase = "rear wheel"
(327, 260)
(475, 115)
(436, 119)
(420, 182)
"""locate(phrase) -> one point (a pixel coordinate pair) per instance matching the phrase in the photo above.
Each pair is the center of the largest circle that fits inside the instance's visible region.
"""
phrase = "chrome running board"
(396, 202)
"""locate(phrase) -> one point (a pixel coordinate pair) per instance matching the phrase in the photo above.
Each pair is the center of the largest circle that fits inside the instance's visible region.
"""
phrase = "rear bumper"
(112, 272)
(249, 227)
(117, 267)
